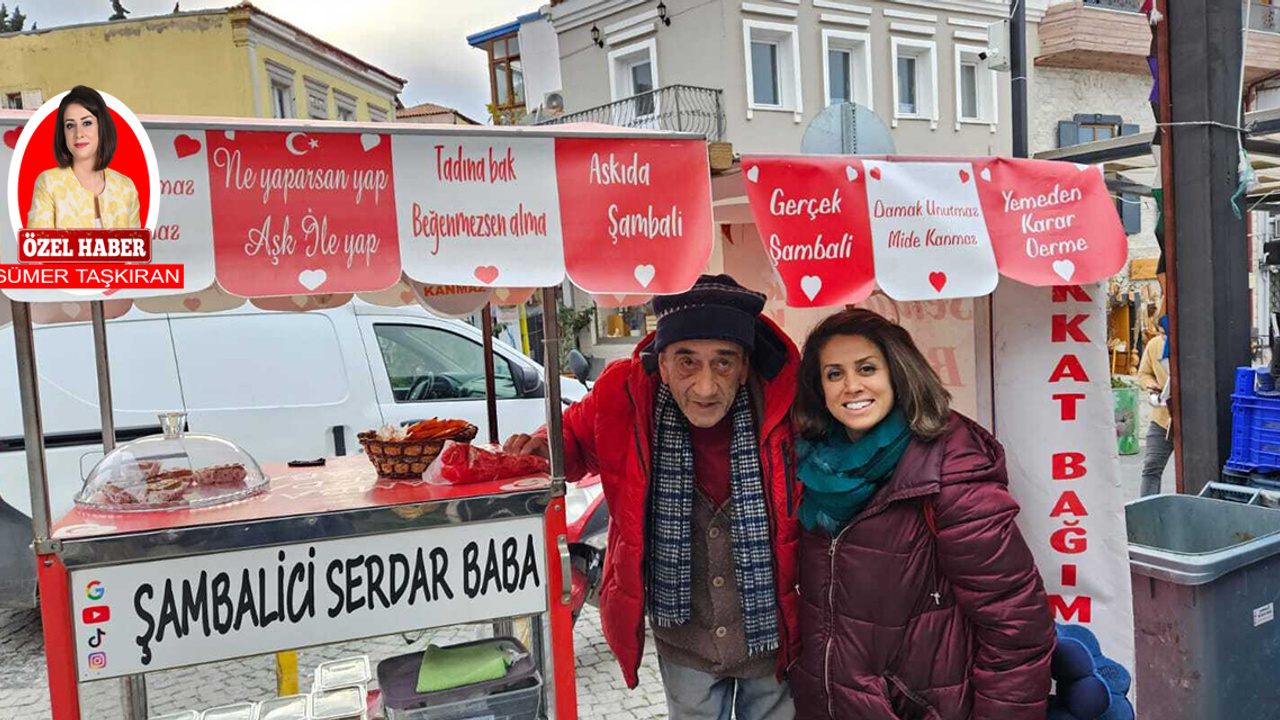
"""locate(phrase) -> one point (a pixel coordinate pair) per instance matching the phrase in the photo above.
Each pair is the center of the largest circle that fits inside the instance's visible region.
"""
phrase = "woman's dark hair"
(90, 100)
(917, 389)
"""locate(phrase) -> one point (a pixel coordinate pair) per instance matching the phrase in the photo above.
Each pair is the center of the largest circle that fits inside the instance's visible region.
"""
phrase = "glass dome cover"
(174, 471)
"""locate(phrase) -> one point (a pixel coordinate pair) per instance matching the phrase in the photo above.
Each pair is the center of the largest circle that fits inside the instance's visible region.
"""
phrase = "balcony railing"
(682, 108)
(1121, 5)
(1264, 17)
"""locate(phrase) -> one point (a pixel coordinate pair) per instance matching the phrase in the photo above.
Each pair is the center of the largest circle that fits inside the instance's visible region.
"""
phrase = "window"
(848, 67)
(975, 88)
(317, 99)
(772, 67)
(13, 101)
(642, 85)
(968, 91)
(839, 76)
(1087, 128)
(1090, 132)
(377, 114)
(633, 73)
(345, 105)
(506, 73)
(627, 324)
(764, 73)
(425, 364)
(280, 79)
(915, 86)
(907, 90)
(1092, 127)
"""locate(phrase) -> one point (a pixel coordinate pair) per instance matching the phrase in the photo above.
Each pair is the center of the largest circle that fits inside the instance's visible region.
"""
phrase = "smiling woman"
(903, 493)
(82, 192)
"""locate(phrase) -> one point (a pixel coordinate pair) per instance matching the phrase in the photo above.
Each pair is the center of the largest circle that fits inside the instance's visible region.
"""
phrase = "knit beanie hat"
(715, 308)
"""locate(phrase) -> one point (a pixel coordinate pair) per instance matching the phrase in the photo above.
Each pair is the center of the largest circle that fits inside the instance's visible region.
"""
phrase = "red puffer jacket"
(608, 432)
(928, 605)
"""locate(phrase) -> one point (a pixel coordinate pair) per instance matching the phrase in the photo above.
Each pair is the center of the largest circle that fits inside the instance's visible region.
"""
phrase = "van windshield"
(426, 363)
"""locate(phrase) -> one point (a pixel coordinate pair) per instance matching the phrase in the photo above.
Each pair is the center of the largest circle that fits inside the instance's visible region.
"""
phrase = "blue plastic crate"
(1255, 428)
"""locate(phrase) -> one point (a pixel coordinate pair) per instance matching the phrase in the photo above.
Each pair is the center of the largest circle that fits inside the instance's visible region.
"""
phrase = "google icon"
(94, 590)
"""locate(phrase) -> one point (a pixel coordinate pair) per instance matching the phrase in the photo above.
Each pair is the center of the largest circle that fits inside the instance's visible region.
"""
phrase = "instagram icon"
(97, 660)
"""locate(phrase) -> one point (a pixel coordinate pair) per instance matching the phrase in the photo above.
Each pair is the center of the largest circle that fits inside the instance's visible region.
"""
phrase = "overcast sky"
(422, 41)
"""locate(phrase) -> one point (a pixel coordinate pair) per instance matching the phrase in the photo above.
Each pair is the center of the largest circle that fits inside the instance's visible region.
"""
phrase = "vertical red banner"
(636, 214)
(302, 213)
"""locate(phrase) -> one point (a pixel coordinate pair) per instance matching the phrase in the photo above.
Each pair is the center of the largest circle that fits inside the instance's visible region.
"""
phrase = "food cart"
(298, 216)
(624, 215)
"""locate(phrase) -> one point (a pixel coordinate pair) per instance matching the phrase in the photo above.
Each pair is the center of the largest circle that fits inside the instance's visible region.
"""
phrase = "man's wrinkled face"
(704, 377)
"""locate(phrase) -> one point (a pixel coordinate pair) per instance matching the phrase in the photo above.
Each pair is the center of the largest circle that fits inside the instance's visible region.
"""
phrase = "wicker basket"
(405, 459)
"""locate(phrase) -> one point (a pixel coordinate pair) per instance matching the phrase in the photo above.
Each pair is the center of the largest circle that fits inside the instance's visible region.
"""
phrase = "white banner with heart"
(478, 211)
(928, 230)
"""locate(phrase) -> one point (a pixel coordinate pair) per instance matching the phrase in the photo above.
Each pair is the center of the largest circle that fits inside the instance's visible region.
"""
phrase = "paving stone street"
(601, 692)
(24, 694)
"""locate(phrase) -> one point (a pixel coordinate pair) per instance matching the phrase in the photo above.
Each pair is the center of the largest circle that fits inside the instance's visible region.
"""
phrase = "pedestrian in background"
(919, 596)
(1153, 376)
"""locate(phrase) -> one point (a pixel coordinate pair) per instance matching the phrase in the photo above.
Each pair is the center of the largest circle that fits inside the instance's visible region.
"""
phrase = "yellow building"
(237, 61)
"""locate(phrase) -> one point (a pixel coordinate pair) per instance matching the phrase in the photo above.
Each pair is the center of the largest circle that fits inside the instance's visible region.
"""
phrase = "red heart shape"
(11, 137)
(874, 172)
(486, 274)
(406, 297)
(937, 280)
(964, 176)
(185, 145)
(191, 304)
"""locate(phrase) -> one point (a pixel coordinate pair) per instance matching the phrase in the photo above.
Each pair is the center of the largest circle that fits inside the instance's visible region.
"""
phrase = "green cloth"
(451, 667)
(840, 476)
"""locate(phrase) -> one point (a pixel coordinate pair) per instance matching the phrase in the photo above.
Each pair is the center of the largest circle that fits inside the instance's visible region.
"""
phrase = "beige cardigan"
(59, 201)
(1152, 376)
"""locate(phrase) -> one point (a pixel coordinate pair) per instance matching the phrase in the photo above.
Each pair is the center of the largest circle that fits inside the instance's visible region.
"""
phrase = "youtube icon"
(96, 614)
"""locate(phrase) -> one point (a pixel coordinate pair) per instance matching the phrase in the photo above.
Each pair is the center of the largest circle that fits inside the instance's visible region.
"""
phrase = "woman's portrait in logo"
(83, 191)
(83, 161)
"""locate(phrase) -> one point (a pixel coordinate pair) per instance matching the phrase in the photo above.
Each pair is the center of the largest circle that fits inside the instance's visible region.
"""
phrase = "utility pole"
(1018, 75)
(1209, 260)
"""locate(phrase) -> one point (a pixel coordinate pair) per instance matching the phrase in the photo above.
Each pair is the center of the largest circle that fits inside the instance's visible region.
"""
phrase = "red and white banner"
(636, 214)
(297, 213)
(929, 229)
(1051, 223)
(811, 214)
(1055, 418)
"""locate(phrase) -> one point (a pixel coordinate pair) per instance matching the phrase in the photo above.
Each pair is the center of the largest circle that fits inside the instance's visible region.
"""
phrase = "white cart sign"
(185, 611)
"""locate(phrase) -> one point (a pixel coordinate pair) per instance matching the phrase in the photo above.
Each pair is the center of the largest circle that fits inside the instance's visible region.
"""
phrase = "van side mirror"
(528, 382)
(579, 366)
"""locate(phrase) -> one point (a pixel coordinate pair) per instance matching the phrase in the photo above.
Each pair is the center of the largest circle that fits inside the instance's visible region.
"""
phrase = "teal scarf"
(840, 475)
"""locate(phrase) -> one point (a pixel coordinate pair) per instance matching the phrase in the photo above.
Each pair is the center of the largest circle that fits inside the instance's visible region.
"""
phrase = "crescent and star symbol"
(289, 145)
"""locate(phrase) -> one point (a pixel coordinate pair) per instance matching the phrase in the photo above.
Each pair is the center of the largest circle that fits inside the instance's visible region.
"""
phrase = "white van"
(285, 386)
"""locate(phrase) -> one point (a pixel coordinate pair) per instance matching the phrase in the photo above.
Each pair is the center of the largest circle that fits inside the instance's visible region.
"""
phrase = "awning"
(1130, 167)
(287, 209)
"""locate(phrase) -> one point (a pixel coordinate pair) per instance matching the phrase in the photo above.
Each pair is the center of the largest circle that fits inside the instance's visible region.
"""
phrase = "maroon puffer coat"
(900, 623)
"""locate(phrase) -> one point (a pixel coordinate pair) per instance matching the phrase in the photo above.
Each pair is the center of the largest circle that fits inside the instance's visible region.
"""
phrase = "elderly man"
(692, 440)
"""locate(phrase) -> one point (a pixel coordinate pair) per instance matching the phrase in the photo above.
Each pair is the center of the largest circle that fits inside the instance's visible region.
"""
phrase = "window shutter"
(31, 99)
(1130, 213)
(1068, 133)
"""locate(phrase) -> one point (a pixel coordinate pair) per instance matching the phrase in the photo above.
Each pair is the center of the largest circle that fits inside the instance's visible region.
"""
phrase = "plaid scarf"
(671, 520)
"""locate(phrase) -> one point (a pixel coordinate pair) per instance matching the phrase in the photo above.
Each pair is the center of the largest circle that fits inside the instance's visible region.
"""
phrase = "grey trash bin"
(1206, 577)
